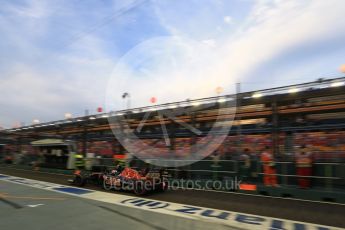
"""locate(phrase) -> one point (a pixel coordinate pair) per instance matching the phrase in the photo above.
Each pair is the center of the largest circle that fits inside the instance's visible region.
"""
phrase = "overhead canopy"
(47, 142)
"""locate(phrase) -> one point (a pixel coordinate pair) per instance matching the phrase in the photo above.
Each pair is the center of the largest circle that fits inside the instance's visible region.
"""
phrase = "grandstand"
(284, 118)
(311, 113)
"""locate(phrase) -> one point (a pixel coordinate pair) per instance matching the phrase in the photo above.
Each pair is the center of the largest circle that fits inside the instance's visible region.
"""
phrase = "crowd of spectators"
(324, 145)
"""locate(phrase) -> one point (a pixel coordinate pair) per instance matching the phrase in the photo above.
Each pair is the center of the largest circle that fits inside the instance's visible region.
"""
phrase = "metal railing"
(325, 175)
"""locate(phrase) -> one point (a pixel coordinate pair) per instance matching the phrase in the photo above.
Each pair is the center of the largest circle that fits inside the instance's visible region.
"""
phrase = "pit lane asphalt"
(297, 210)
(23, 207)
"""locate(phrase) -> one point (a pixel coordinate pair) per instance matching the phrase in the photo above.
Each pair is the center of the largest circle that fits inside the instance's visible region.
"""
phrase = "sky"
(66, 56)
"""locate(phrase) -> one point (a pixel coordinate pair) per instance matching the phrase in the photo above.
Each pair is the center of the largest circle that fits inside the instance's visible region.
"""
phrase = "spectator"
(270, 177)
(304, 167)
(244, 163)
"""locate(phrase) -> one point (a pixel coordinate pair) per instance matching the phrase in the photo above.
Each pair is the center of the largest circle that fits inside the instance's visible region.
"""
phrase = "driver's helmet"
(119, 168)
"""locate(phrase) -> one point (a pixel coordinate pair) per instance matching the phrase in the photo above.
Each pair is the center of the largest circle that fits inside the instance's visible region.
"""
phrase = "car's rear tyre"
(79, 181)
(139, 188)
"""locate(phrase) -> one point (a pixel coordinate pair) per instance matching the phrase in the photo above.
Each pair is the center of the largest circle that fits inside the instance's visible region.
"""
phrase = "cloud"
(28, 9)
(272, 29)
(228, 19)
(169, 68)
(40, 80)
(188, 66)
(209, 42)
(176, 50)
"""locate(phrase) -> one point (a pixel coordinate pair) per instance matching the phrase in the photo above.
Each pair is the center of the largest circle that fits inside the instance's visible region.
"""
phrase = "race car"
(124, 178)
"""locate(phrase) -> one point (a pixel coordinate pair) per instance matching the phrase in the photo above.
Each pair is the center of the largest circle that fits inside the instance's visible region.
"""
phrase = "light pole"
(128, 97)
(239, 127)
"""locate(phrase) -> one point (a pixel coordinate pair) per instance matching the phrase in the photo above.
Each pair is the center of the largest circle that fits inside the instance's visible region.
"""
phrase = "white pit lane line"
(216, 191)
(228, 218)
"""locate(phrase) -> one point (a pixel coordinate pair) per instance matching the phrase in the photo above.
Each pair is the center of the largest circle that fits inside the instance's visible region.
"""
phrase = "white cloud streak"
(201, 54)
(271, 29)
